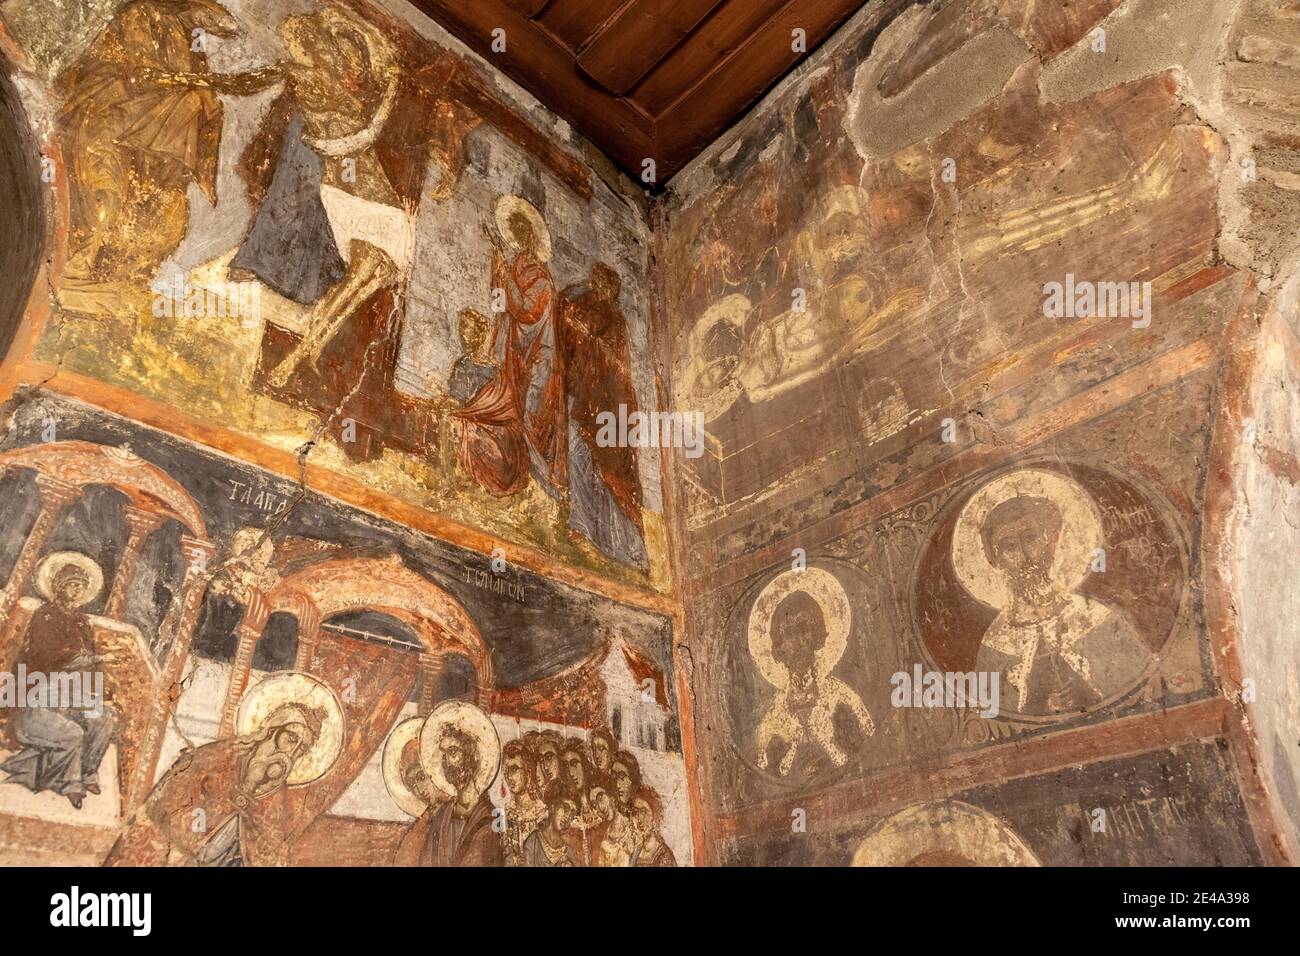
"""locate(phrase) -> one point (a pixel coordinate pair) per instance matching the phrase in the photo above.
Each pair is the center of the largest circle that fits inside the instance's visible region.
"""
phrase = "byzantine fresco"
(1176, 807)
(308, 223)
(841, 277)
(22, 196)
(1066, 595)
(911, 469)
(1050, 569)
(289, 681)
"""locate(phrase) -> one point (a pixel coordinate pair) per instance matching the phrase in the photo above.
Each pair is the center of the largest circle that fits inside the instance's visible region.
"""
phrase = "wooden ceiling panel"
(732, 23)
(688, 125)
(645, 79)
(639, 37)
(574, 22)
(528, 8)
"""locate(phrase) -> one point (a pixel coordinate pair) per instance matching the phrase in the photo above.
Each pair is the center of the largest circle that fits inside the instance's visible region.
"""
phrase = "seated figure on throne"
(63, 740)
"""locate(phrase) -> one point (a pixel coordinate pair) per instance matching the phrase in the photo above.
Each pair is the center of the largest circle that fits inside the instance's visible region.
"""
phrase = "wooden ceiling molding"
(644, 79)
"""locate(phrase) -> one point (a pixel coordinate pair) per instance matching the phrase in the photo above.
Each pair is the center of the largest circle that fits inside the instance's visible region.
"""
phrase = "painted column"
(308, 633)
(140, 524)
(256, 613)
(56, 497)
(432, 667)
(177, 641)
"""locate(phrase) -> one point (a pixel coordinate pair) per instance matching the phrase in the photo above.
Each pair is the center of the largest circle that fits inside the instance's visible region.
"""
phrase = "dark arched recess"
(22, 208)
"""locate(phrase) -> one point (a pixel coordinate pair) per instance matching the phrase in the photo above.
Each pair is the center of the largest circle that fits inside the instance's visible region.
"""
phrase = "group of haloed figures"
(574, 803)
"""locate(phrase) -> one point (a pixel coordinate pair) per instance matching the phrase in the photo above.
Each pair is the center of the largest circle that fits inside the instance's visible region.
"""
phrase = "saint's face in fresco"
(418, 782)
(70, 587)
(274, 756)
(459, 758)
(515, 773)
(798, 633)
(1020, 539)
(1024, 543)
(574, 772)
(548, 764)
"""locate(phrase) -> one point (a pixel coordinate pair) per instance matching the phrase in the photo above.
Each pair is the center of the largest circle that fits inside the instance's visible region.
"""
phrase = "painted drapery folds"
(306, 258)
(280, 218)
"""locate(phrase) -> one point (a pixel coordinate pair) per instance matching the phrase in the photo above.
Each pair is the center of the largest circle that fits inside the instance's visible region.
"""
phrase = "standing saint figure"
(407, 781)
(515, 425)
(140, 121)
(460, 751)
(1023, 544)
(604, 484)
(63, 741)
(525, 810)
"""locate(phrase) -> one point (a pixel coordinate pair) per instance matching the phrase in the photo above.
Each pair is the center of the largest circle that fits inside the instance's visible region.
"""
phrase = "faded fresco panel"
(1062, 575)
(844, 277)
(1179, 807)
(955, 301)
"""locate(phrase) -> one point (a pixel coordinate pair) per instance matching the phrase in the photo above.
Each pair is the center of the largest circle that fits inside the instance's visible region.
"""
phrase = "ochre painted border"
(346, 490)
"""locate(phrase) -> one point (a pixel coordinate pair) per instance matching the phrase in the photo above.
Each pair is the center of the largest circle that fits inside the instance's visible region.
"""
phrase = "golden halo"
(824, 588)
(56, 562)
(290, 689)
(734, 310)
(402, 795)
(943, 827)
(1080, 532)
(470, 720)
(506, 207)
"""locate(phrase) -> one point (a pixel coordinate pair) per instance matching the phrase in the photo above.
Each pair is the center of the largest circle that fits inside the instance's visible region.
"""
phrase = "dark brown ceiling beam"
(575, 22)
(528, 8)
(546, 69)
(720, 97)
(729, 26)
(641, 35)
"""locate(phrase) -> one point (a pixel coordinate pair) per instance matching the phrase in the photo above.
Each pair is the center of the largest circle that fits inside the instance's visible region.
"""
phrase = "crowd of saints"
(579, 803)
(568, 801)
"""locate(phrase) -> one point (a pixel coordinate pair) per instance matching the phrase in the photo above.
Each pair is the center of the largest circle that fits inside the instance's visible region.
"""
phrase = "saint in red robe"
(516, 424)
